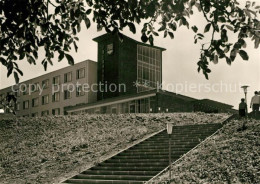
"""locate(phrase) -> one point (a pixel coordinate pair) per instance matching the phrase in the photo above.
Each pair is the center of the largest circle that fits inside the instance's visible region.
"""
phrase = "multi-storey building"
(129, 63)
(49, 94)
(126, 79)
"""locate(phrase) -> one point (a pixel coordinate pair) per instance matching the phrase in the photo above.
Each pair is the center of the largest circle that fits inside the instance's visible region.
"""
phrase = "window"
(25, 89)
(17, 106)
(45, 113)
(67, 94)
(110, 49)
(56, 97)
(80, 91)
(26, 104)
(80, 73)
(45, 99)
(67, 77)
(2, 96)
(35, 87)
(56, 80)
(35, 102)
(56, 111)
(148, 68)
(45, 84)
(35, 114)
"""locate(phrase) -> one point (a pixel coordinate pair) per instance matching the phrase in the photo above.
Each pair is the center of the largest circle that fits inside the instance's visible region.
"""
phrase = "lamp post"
(245, 91)
(169, 132)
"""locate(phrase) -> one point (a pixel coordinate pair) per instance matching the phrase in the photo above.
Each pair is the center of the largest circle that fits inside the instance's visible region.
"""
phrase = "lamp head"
(244, 88)
(169, 127)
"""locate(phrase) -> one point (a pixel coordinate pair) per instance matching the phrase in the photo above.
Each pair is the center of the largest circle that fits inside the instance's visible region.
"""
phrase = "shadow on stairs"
(143, 161)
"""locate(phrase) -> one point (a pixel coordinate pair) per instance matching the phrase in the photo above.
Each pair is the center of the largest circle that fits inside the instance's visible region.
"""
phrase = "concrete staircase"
(143, 161)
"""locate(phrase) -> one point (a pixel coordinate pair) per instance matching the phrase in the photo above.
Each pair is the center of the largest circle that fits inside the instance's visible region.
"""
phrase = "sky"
(179, 65)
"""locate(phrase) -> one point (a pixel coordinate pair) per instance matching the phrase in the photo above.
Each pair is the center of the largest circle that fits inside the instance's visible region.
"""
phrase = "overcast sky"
(179, 65)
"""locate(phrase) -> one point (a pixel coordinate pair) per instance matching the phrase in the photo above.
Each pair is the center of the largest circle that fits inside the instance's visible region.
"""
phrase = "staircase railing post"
(169, 132)
(170, 158)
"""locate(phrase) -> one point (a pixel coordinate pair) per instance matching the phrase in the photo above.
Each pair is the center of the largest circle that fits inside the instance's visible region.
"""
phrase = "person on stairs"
(255, 101)
(242, 108)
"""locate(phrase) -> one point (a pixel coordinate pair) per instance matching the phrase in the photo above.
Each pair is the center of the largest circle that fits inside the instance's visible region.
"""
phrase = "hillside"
(50, 149)
(231, 156)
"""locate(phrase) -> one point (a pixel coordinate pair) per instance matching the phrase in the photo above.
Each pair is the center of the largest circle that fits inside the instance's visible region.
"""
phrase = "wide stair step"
(141, 162)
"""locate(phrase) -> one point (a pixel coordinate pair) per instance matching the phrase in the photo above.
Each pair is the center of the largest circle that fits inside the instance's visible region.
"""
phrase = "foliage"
(49, 149)
(231, 156)
(27, 26)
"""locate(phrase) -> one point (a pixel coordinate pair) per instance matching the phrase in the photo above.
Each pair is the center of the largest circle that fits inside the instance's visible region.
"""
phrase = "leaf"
(131, 27)
(171, 34)
(61, 56)
(230, 27)
(243, 54)
(194, 28)
(16, 77)
(215, 61)
(165, 34)
(87, 22)
(75, 46)
(162, 28)
(70, 59)
(257, 40)
(207, 27)
(144, 38)
(19, 71)
(151, 39)
(222, 19)
(3, 61)
(88, 11)
(228, 60)
(45, 65)
(173, 26)
(233, 54)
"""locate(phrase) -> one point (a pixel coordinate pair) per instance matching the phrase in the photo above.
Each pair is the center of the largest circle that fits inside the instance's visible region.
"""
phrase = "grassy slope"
(45, 149)
(231, 156)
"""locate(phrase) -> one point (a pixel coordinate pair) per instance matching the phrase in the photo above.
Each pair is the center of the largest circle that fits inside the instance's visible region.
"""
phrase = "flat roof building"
(50, 93)
(130, 66)
(126, 79)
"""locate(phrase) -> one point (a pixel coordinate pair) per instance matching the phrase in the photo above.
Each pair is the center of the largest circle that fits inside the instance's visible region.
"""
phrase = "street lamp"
(169, 132)
(245, 91)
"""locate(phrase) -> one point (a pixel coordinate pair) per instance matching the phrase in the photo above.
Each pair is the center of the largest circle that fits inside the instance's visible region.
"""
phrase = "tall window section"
(148, 68)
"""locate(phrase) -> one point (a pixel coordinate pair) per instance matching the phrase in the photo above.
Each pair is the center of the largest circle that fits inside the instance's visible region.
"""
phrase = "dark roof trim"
(105, 36)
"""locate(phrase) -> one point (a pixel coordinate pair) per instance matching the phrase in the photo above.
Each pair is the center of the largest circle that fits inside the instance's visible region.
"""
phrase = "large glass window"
(148, 68)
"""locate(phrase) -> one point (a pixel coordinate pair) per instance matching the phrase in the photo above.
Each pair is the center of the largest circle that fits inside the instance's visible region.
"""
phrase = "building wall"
(108, 66)
(89, 78)
(120, 67)
(170, 102)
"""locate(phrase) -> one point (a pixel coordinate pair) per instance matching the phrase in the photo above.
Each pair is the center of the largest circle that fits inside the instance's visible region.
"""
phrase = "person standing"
(242, 108)
(255, 101)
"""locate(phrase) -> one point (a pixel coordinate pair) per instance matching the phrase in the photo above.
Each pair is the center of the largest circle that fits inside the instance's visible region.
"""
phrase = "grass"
(51, 149)
(231, 156)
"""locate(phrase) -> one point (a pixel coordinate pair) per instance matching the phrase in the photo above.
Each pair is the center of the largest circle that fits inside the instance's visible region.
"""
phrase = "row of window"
(80, 73)
(45, 113)
(55, 98)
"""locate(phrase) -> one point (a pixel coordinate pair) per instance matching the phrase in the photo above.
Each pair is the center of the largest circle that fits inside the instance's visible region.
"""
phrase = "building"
(49, 94)
(211, 106)
(153, 101)
(134, 65)
(126, 79)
